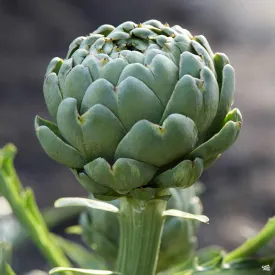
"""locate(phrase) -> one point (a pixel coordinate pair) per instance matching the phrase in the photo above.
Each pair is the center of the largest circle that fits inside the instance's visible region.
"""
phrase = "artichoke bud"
(138, 107)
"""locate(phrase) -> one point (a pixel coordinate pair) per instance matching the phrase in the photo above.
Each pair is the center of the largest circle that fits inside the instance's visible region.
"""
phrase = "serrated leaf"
(64, 202)
(185, 215)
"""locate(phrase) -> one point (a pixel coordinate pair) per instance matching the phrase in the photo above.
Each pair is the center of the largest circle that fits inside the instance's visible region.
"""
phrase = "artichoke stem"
(141, 226)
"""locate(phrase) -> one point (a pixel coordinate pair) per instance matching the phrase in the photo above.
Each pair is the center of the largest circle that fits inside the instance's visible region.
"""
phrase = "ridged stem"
(141, 226)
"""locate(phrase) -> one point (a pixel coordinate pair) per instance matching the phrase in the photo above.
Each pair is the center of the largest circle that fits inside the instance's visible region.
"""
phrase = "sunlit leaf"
(64, 202)
(185, 215)
(83, 271)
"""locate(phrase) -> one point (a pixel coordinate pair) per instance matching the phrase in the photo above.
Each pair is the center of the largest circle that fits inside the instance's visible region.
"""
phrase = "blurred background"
(240, 187)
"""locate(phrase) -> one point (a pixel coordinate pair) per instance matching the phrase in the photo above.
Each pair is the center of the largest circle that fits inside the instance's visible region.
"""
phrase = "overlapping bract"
(178, 243)
(140, 105)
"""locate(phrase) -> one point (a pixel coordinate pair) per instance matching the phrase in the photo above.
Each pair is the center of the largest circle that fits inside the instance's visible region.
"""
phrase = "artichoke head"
(138, 107)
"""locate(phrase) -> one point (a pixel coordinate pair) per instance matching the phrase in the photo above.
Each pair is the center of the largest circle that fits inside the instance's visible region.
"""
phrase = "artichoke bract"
(140, 105)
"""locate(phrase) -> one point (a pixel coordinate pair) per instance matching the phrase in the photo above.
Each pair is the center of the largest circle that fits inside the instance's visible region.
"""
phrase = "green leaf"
(185, 215)
(64, 202)
(83, 271)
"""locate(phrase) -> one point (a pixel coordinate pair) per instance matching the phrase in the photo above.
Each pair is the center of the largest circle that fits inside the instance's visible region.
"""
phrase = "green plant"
(139, 111)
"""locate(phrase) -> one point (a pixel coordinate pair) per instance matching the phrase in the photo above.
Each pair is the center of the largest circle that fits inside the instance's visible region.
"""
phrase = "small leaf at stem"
(83, 271)
(185, 215)
(64, 202)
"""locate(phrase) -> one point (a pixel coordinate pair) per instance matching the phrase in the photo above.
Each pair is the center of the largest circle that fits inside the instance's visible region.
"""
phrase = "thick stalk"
(141, 226)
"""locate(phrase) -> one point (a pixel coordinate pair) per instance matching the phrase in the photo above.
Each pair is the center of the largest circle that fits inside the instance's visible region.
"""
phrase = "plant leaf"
(185, 215)
(64, 202)
(83, 271)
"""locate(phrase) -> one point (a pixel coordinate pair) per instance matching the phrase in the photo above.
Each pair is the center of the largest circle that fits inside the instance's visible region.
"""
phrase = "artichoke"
(178, 243)
(138, 107)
